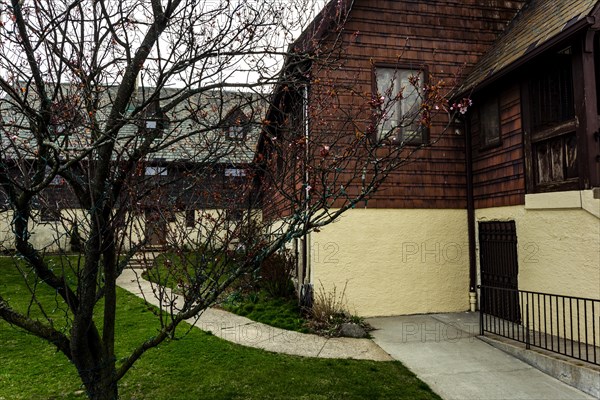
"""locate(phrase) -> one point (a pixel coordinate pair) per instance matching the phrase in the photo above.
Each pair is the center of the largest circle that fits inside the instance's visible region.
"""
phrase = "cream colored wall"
(7, 239)
(395, 261)
(55, 235)
(50, 236)
(558, 244)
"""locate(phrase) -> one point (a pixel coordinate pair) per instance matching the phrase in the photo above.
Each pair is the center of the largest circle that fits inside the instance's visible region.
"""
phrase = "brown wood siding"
(446, 38)
(499, 172)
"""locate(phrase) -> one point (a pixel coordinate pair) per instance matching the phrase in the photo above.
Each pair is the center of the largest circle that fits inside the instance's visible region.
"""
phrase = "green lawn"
(260, 307)
(197, 365)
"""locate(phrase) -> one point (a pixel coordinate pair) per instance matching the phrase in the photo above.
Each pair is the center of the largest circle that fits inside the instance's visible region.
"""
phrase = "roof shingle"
(537, 23)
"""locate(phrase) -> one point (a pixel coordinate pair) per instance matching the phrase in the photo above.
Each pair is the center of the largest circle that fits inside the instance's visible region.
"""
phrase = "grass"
(260, 307)
(194, 366)
(171, 269)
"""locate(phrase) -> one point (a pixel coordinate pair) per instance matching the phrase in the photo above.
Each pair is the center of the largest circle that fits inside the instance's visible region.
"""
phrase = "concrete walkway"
(241, 330)
(444, 351)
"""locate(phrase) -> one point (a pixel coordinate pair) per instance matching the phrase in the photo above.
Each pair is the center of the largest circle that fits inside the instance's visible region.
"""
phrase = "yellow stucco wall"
(558, 246)
(558, 249)
(55, 235)
(395, 261)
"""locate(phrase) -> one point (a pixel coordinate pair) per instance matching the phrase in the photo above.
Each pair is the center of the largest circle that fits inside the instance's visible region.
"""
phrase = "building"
(504, 196)
(193, 172)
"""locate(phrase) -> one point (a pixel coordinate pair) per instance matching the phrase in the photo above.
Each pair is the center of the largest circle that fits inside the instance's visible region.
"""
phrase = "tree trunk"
(100, 385)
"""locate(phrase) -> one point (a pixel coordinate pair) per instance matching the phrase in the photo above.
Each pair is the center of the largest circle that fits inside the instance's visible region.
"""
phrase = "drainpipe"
(306, 270)
(471, 219)
(306, 173)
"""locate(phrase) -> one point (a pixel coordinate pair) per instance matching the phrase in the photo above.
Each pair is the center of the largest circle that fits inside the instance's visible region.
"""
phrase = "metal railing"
(565, 325)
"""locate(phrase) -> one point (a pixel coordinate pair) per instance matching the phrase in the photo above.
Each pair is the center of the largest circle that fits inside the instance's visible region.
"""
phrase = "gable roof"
(199, 124)
(538, 25)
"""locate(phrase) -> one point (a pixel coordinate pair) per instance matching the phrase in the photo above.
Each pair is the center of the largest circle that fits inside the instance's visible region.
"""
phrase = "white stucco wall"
(395, 261)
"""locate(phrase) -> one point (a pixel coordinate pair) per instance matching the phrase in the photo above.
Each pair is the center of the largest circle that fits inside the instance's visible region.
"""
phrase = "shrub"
(330, 310)
(276, 274)
(76, 240)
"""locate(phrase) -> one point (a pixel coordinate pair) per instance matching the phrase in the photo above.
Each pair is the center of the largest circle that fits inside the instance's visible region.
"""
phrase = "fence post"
(527, 346)
(481, 309)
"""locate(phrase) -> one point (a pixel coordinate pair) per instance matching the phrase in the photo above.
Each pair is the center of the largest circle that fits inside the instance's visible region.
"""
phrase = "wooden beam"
(586, 110)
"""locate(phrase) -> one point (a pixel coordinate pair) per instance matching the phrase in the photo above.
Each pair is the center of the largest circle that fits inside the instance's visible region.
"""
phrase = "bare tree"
(120, 118)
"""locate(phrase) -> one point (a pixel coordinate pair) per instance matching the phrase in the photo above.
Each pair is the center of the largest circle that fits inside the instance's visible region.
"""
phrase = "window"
(236, 133)
(552, 141)
(49, 214)
(154, 120)
(190, 218)
(235, 172)
(556, 159)
(234, 215)
(236, 125)
(399, 92)
(489, 122)
(156, 170)
(551, 94)
(57, 180)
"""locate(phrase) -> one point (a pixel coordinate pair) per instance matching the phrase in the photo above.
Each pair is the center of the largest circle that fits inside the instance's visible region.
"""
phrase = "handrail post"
(527, 346)
(481, 308)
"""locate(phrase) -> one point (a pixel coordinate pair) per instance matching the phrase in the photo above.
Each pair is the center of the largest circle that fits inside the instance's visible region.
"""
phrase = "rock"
(352, 330)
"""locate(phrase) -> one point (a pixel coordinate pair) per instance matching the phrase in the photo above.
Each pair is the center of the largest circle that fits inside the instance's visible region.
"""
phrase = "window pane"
(411, 103)
(556, 147)
(489, 122)
(543, 162)
(571, 156)
(556, 159)
(387, 87)
(400, 120)
(150, 171)
(552, 94)
(190, 218)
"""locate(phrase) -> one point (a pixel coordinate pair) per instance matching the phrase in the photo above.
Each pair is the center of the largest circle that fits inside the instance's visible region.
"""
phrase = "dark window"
(489, 122)
(551, 94)
(234, 214)
(170, 216)
(49, 214)
(190, 218)
(552, 125)
(398, 93)
(57, 180)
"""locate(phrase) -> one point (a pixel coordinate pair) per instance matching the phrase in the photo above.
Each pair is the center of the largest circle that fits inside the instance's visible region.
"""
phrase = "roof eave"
(530, 55)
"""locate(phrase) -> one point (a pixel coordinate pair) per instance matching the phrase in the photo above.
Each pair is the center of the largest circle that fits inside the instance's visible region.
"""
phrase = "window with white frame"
(237, 125)
(399, 94)
(156, 170)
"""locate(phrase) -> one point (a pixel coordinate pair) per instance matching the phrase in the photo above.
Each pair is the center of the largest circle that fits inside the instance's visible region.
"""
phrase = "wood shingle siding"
(446, 38)
(499, 172)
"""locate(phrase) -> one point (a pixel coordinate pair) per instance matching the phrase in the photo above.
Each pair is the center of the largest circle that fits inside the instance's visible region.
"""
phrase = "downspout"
(306, 290)
(471, 220)
(307, 271)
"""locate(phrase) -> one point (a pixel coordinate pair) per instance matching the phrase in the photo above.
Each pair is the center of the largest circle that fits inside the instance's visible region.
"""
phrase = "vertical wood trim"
(591, 107)
(526, 123)
(580, 88)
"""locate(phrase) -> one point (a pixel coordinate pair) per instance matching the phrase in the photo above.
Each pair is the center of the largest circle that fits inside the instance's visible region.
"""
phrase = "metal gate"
(499, 269)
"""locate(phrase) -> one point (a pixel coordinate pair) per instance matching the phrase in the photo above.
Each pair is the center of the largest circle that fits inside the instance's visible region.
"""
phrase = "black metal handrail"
(566, 325)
